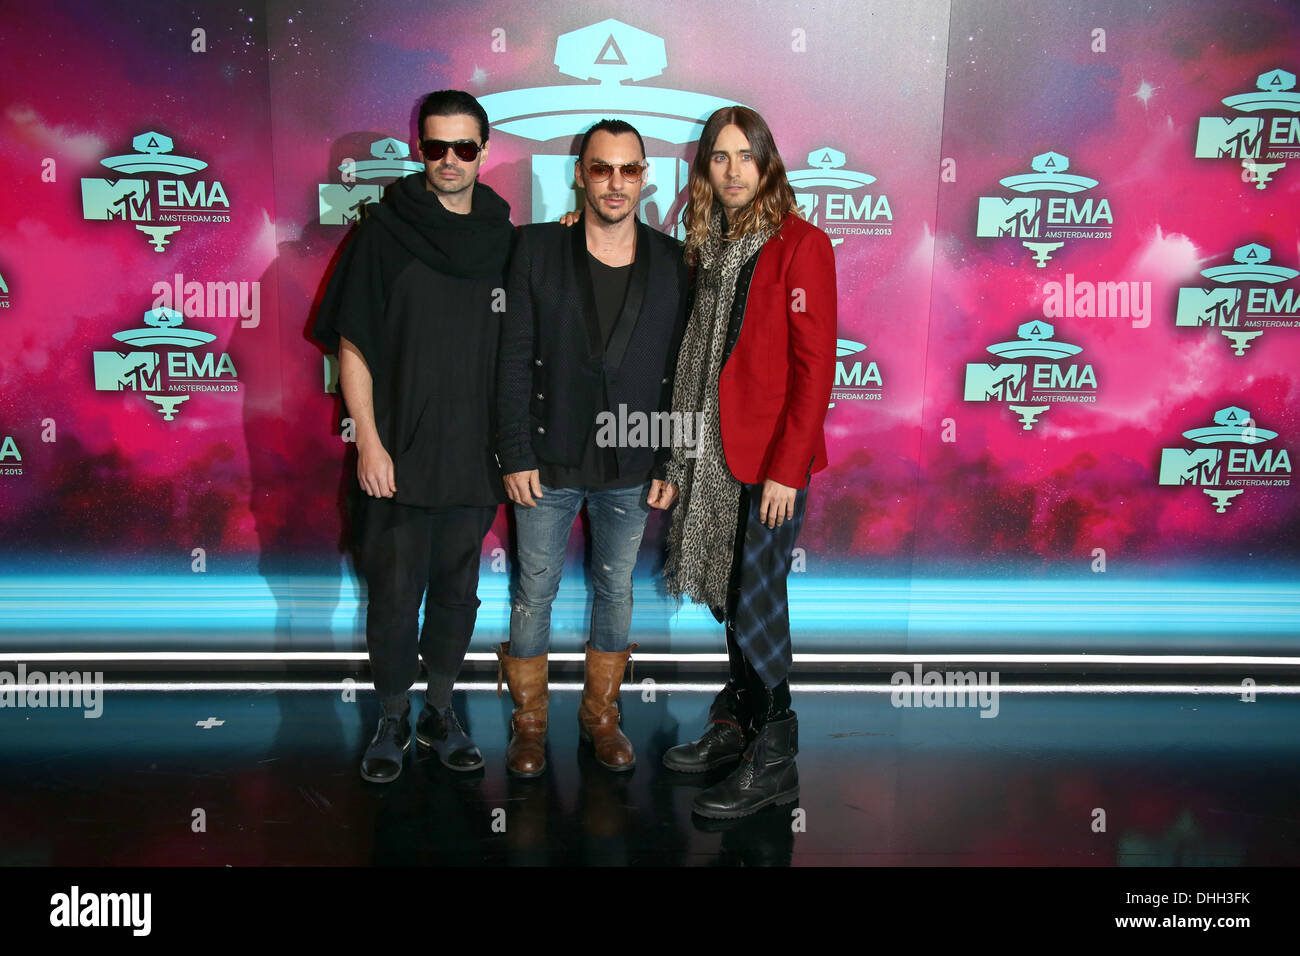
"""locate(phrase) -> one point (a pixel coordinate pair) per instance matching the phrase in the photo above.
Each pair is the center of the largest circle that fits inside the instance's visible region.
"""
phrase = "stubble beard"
(734, 205)
(441, 187)
(594, 206)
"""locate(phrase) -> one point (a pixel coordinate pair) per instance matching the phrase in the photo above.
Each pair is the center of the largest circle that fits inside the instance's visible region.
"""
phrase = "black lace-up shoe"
(441, 730)
(383, 759)
(767, 775)
(722, 743)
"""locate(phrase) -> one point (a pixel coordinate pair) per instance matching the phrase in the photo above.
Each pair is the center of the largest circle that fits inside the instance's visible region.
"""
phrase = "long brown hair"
(773, 199)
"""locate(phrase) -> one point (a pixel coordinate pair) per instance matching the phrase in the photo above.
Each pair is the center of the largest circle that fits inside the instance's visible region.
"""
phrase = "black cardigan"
(552, 378)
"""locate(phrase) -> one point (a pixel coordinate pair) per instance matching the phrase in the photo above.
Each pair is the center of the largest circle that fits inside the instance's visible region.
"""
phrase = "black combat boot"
(725, 739)
(767, 775)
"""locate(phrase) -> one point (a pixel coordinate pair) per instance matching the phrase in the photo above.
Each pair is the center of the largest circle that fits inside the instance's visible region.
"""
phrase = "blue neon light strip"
(856, 606)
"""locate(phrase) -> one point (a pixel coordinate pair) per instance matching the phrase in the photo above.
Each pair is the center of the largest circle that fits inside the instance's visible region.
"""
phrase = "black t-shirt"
(599, 468)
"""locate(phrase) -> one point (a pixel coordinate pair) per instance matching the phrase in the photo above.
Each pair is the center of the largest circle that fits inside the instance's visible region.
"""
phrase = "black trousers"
(408, 554)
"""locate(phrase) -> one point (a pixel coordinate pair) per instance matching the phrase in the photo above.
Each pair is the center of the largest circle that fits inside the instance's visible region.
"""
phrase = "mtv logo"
(1189, 466)
(661, 197)
(807, 203)
(341, 204)
(126, 371)
(986, 382)
(1238, 137)
(1208, 307)
(1018, 216)
(115, 199)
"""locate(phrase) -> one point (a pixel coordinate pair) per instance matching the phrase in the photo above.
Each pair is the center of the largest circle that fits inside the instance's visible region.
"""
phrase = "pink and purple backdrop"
(942, 521)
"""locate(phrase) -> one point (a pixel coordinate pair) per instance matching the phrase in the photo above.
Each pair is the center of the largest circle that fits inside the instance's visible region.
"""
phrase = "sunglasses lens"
(599, 172)
(632, 171)
(434, 149)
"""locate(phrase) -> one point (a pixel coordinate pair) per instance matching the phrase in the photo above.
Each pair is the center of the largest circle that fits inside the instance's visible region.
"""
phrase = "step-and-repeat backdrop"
(1069, 269)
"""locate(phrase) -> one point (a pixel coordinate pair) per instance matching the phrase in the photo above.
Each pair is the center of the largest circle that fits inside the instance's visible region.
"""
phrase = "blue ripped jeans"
(618, 519)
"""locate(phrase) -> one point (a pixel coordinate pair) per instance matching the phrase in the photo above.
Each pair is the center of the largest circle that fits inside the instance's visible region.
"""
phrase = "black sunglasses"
(434, 149)
(599, 172)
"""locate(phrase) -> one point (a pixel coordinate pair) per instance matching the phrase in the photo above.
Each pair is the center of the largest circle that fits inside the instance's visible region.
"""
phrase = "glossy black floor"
(1099, 779)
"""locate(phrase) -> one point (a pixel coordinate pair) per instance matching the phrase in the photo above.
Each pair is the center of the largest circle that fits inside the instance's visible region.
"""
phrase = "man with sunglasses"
(413, 309)
(593, 319)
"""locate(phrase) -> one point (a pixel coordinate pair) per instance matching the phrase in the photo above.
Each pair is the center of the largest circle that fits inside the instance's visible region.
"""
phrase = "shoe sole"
(428, 745)
(405, 750)
(778, 800)
(527, 776)
(696, 768)
(616, 767)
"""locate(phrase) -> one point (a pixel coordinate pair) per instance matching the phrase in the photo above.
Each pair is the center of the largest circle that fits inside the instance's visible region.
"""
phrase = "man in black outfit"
(414, 309)
(595, 313)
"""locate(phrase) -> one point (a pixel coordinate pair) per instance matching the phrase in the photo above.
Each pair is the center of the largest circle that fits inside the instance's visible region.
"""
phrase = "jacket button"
(540, 396)
(537, 361)
(541, 430)
(664, 382)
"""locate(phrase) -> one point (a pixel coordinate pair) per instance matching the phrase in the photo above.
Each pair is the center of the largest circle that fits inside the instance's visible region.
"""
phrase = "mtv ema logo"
(1224, 473)
(4, 293)
(827, 196)
(1046, 383)
(341, 202)
(1034, 220)
(1244, 303)
(160, 375)
(857, 380)
(1256, 137)
(157, 202)
(616, 55)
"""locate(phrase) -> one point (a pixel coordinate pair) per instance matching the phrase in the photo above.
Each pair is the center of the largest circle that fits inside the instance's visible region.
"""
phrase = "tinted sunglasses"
(599, 172)
(434, 149)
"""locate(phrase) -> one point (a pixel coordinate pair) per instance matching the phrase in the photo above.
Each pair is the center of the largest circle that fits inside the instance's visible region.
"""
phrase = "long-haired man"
(757, 363)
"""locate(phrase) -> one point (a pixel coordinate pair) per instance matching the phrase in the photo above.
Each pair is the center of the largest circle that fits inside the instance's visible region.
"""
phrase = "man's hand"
(569, 218)
(662, 494)
(375, 470)
(778, 504)
(523, 486)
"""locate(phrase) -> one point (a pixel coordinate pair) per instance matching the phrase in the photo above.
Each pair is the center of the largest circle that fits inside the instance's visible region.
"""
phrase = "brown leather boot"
(526, 677)
(598, 711)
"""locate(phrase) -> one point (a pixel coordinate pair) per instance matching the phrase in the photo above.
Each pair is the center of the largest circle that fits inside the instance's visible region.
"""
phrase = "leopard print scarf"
(701, 540)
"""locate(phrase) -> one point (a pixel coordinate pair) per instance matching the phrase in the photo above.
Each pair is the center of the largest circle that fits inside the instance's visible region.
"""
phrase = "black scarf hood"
(474, 245)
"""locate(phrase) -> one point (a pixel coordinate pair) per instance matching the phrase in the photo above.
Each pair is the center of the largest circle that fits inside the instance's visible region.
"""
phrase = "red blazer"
(776, 384)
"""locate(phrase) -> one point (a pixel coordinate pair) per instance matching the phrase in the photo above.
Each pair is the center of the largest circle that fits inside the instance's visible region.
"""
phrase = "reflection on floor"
(1076, 779)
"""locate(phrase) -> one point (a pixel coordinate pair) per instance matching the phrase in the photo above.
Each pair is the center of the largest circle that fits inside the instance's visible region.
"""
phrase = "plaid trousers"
(759, 610)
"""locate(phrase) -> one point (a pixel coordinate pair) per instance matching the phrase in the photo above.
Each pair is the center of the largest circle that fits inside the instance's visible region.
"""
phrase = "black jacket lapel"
(636, 288)
(740, 302)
